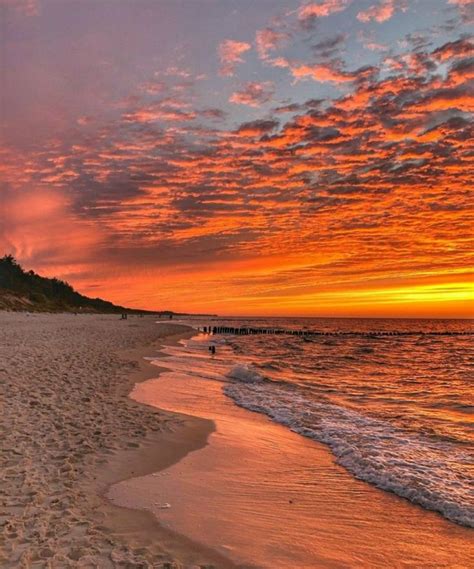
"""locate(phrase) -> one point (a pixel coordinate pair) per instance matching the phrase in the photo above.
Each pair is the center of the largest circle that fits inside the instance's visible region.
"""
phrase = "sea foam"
(244, 373)
(429, 472)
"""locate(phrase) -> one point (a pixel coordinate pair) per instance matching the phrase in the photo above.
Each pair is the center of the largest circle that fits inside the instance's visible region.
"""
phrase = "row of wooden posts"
(253, 331)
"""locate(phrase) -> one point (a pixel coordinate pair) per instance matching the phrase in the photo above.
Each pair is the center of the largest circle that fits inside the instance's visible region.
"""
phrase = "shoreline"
(71, 430)
(156, 453)
(332, 518)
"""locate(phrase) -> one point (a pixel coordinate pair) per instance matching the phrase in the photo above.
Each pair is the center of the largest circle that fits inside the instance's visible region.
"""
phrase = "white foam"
(244, 373)
(429, 472)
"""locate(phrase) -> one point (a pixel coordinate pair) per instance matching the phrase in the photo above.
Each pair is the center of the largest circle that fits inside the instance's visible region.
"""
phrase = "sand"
(69, 430)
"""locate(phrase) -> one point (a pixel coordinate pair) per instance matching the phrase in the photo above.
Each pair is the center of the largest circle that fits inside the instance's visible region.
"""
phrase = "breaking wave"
(428, 471)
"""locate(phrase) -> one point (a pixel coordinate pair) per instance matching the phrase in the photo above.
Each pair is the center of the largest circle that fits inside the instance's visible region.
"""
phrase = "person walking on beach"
(212, 349)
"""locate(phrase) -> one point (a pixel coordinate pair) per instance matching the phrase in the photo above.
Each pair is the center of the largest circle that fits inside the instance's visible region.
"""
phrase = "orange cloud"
(230, 52)
(268, 39)
(253, 94)
(39, 226)
(446, 99)
(381, 12)
(321, 73)
(321, 9)
(157, 113)
(451, 50)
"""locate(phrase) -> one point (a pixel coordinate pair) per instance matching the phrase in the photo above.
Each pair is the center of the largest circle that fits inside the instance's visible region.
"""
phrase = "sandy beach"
(99, 469)
(69, 430)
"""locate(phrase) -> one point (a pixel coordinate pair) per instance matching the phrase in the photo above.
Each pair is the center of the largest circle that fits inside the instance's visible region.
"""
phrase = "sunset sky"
(266, 157)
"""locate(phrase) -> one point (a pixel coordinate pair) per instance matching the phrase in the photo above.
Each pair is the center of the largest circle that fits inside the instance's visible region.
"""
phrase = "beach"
(69, 430)
(120, 448)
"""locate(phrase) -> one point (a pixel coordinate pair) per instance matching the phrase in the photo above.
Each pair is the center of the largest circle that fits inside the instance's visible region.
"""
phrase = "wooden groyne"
(246, 331)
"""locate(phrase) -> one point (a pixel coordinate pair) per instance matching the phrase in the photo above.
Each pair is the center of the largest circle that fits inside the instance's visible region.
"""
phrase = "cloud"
(374, 46)
(461, 48)
(461, 72)
(307, 13)
(153, 113)
(39, 227)
(329, 47)
(330, 71)
(267, 40)
(254, 194)
(213, 114)
(253, 94)
(230, 52)
(460, 98)
(466, 9)
(419, 63)
(321, 73)
(312, 104)
(169, 109)
(368, 40)
(257, 128)
(382, 11)
(154, 87)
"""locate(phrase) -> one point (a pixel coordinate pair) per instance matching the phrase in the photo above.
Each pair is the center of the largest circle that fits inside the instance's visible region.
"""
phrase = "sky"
(247, 157)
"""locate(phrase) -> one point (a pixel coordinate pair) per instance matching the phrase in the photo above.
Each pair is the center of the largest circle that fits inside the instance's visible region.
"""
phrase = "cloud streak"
(307, 13)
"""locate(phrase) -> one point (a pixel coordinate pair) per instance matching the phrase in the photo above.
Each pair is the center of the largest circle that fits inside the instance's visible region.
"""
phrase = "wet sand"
(267, 497)
(69, 430)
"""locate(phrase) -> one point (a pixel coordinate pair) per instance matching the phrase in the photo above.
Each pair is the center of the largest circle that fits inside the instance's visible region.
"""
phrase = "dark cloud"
(254, 128)
(463, 47)
(215, 114)
(295, 107)
(329, 47)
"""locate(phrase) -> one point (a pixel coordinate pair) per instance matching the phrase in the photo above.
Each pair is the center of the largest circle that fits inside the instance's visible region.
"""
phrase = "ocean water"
(395, 410)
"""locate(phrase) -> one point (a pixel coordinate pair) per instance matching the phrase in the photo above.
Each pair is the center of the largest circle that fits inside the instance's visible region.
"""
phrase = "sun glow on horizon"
(297, 159)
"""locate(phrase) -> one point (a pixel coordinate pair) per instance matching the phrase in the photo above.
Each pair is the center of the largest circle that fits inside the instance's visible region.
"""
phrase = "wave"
(245, 373)
(429, 472)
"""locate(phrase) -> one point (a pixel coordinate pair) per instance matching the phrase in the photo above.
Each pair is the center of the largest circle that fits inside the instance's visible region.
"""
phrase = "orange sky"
(288, 158)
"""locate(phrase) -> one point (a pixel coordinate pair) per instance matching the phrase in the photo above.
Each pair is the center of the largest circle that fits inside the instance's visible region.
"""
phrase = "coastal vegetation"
(26, 290)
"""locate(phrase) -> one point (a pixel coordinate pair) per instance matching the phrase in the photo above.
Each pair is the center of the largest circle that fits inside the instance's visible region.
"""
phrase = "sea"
(392, 399)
